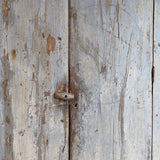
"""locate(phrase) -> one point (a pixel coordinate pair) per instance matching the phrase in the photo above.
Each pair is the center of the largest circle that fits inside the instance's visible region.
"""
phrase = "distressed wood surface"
(156, 84)
(34, 63)
(111, 63)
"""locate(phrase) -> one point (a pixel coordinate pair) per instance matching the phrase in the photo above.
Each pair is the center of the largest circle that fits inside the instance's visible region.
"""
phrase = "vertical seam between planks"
(152, 74)
(69, 80)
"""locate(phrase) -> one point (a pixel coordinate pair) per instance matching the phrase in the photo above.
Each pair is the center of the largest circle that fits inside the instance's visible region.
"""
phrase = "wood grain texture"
(111, 63)
(156, 84)
(34, 64)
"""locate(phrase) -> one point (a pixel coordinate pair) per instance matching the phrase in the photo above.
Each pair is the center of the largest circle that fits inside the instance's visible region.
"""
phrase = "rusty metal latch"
(64, 96)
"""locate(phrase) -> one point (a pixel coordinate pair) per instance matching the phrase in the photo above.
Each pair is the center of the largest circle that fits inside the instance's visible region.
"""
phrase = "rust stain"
(50, 44)
(62, 103)
(13, 52)
(4, 85)
(5, 8)
(7, 119)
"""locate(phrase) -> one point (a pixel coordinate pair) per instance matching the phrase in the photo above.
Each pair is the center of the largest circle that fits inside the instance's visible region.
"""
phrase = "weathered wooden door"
(104, 52)
(34, 63)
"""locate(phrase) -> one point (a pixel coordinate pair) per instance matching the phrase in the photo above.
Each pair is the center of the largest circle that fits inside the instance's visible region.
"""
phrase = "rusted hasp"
(64, 96)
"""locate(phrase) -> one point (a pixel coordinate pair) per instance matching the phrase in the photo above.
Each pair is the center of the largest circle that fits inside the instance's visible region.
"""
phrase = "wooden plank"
(156, 85)
(34, 63)
(111, 61)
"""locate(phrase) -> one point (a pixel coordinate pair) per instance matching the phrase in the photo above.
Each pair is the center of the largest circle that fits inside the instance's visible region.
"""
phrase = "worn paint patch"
(5, 8)
(6, 25)
(21, 132)
(11, 155)
(50, 44)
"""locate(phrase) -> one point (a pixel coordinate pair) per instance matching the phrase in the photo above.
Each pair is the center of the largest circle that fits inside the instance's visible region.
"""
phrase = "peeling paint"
(47, 93)
(43, 114)
(5, 8)
(13, 52)
(7, 119)
(11, 155)
(43, 35)
(4, 85)
(50, 44)
(59, 38)
(103, 69)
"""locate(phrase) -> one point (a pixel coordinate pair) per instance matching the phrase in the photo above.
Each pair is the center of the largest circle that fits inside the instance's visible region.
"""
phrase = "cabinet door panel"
(111, 63)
